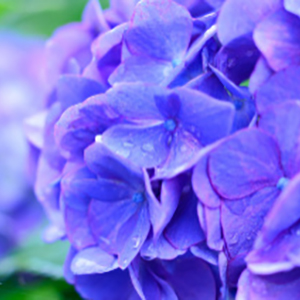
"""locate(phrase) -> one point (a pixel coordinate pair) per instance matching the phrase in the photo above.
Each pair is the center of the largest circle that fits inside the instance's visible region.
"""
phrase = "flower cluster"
(170, 177)
(21, 94)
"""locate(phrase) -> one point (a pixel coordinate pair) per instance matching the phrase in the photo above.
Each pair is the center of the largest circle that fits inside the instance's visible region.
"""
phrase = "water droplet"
(128, 144)
(148, 147)
(282, 183)
(183, 148)
(123, 152)
(98, 138)
(298, 232)
(136, 242)
(233, 239)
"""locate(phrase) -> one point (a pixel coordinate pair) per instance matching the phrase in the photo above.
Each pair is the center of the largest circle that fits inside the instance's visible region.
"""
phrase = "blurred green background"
(39, 16)
(34, 270)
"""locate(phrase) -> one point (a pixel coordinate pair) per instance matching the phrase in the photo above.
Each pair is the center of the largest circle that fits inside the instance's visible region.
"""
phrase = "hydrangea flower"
(21, 94)
(147, 166)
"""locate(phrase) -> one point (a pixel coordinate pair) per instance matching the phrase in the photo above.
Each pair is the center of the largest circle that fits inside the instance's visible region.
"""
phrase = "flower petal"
(159, 29)
(245, 163)
(278, 38)
(146, 146)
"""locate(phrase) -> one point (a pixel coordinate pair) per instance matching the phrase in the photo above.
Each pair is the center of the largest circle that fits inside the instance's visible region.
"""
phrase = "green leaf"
(245, 83)
(37, 257)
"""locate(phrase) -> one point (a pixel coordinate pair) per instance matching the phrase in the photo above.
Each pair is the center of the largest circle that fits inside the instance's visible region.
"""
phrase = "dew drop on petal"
(148, 147)
(98, 138)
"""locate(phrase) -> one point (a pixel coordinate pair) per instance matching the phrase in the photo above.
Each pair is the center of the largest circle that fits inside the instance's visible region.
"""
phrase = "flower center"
(138, 197)
(170, 125)
(282, 183)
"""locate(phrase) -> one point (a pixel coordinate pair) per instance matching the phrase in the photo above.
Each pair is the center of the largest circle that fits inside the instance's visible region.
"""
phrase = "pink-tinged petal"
(278, 38)
(261, 73)
(70, 41)
(183, 154)
(93, 260)
(292, 6)
(279, 286)
(281, 255)
(214, 237)
(242, 219)
(202, 186)
(246, 15)
(284, 213)
(245, 163)
(143, 69)
(93, 16)
(159, 29)
(279, 88)
(77, 228)
(287, 135)
(145, 146)
(184, 229)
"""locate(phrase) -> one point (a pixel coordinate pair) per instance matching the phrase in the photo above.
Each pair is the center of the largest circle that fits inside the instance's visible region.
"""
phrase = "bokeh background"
(33, 270)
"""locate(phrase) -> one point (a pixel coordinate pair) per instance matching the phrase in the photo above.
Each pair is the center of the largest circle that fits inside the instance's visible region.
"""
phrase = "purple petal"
(70, 41)
(147, 284)
(93, 16)
(80, 124)
(278, 38)
(184, 229)
(279, 286)
(198, 283)
(279, 88)
(121, 227)
(246, 15)
(183, 154)
(242, 219)
(159, 29)
(143, 145)
(103, 286)
(137, 68)
(196, 116)
(292, 6)
(202, 251)
(161, 212)
(93, 260)
(245, 163)
(214, 237)
(236, 60)
(135, 101)
(272, 121)
(283, 214)
(108, 166)
(159, 248)
(202, 185)
(77, 228)
(260, 75)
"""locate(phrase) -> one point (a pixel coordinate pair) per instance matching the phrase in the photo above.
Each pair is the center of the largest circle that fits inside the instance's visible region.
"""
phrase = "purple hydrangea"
(21, 94)
(169, 176)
